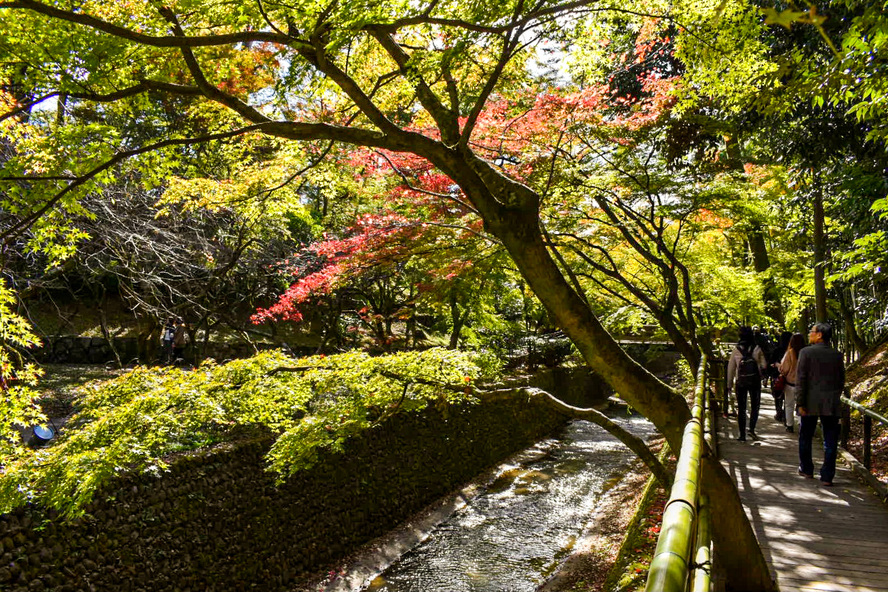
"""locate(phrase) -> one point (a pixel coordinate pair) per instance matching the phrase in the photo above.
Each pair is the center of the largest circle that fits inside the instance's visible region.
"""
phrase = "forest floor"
(60, 385)
(868, 380)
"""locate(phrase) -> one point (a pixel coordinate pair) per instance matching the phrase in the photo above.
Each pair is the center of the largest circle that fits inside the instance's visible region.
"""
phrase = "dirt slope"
(868, 380)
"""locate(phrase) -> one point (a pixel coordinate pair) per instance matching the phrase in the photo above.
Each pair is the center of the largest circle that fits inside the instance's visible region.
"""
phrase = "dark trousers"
(754, 393)
(807, 427)
(778, 404)
(167, 352)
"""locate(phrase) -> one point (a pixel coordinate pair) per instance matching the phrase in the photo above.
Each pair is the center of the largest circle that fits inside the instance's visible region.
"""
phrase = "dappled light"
(304, 223)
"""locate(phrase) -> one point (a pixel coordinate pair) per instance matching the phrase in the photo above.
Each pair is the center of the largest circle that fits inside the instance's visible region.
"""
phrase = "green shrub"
(134, 422)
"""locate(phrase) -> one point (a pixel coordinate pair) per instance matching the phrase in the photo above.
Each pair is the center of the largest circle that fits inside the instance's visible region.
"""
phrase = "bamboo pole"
(670, 565)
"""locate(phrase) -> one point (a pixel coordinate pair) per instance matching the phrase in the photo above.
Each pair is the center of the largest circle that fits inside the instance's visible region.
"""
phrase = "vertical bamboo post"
(867, 442)
(701, 579)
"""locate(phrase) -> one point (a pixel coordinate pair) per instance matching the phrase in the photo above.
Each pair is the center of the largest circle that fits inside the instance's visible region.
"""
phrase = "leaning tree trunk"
(510, 212)
(685, 347)
(744, 562)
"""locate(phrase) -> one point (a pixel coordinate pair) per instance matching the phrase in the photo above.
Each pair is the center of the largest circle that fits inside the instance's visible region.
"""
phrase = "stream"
(513, 535)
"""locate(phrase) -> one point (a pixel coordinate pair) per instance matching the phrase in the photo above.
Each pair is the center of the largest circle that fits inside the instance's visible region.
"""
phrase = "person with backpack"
(746, 368)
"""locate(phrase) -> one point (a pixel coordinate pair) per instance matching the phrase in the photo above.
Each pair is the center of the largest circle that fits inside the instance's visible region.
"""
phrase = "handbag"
(779, 383)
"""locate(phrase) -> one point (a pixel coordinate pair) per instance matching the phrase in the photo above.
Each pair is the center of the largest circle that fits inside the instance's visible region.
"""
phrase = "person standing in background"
(166, 341)
(788, 368)
(819, 386)
(774, 361)
(180, 340)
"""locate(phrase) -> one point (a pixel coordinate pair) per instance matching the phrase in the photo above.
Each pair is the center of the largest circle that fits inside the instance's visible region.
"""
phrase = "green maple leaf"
(784, 18)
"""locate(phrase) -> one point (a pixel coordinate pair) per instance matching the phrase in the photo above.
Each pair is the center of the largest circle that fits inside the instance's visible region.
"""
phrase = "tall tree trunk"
(458, 318)
(761, 263)
(106, 332)
(854, 338)
(821, 313)
(756, 238)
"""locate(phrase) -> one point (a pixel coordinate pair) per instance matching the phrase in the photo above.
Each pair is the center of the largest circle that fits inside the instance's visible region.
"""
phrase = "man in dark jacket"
(820, 382)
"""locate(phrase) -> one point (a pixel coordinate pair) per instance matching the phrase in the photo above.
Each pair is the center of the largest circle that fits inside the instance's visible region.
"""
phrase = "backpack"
(748, 374)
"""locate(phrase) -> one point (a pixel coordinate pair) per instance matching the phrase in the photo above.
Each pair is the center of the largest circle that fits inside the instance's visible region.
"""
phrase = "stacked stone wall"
(70, 349)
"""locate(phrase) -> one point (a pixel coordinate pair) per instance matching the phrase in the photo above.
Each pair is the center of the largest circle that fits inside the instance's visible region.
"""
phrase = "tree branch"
(26, 222)
(448, 123)
(634, 443)
(150, 40)
(208, 90)
(447, 196)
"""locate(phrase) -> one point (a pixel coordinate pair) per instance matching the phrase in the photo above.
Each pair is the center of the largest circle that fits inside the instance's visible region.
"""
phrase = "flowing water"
(511, 537)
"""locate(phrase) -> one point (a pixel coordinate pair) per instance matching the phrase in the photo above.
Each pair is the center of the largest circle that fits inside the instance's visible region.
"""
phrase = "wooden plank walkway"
(819, 538)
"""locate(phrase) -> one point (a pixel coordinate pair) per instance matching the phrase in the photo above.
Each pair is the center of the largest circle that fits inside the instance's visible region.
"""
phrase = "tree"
(17, 379)
(816, 111)
(421, 252)
(400, 77)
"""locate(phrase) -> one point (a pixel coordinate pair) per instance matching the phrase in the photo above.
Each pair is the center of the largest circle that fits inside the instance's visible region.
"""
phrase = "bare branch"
(142, 86)
(424, 191)
(633, 442)
(446, 119)
(209, 90)
(509, 44)
(268, 20)
(26, 222)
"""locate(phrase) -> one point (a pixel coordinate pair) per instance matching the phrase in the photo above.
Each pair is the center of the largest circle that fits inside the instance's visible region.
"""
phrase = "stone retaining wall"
(217, 521)
(72, 349)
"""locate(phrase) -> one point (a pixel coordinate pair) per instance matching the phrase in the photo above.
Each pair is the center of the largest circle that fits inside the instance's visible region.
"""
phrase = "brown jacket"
(789, 366)
(180, 338)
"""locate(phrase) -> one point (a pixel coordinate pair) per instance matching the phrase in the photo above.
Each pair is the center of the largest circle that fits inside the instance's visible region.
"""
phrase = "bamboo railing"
(868, 416)
(683, 558)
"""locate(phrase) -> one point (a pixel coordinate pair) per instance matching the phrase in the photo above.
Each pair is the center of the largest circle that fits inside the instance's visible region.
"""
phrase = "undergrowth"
(630, 569)
(134, 422)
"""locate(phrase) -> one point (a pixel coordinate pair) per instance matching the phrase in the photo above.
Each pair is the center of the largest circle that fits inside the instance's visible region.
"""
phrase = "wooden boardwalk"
(814, 538)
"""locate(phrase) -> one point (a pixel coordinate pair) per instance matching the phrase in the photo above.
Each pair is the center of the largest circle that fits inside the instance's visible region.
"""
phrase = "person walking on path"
(788, 368)
(180, 340)
(776, 389)
(169, 332)
(820, 382)
(747, 364)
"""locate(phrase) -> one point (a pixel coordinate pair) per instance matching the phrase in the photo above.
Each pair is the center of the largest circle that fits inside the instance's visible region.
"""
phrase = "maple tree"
(397, 77)
(17, 378)
(428, 255)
